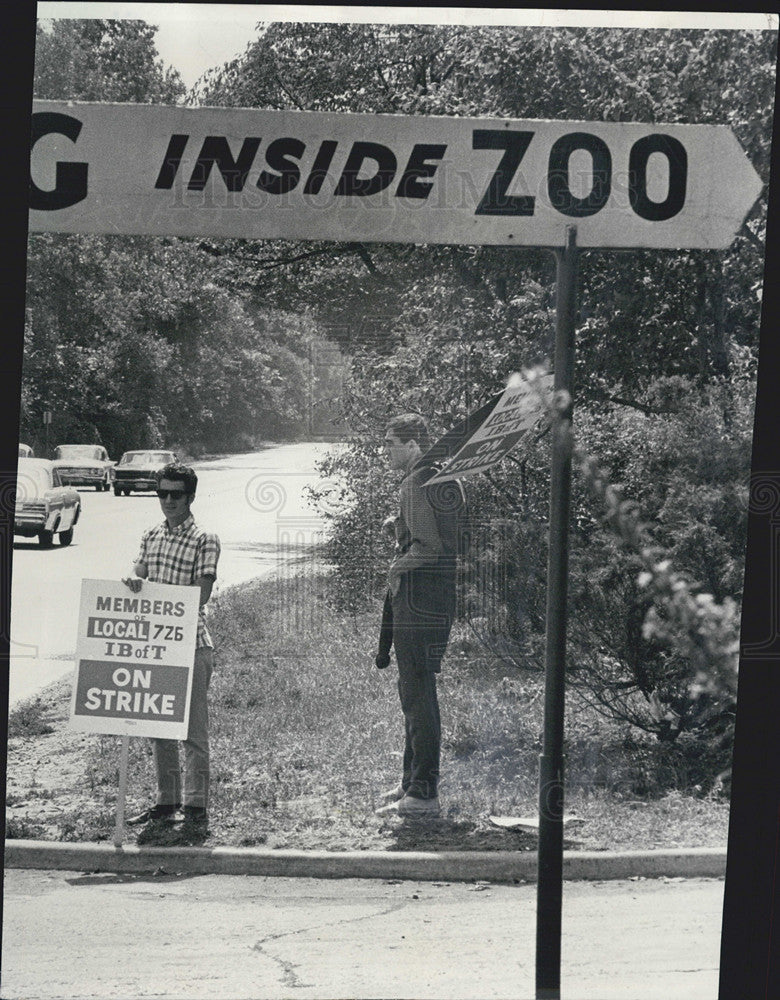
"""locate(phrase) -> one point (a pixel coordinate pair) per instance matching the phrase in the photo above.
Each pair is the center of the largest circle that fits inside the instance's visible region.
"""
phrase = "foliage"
(688, 307)
(656, 624)
(102, 60)
(134, 341)
(21, 828)
(665, 355)
(30, 718)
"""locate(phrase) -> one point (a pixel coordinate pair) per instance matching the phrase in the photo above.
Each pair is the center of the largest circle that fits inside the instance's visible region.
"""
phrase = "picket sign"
(522, 407)
(134, 660)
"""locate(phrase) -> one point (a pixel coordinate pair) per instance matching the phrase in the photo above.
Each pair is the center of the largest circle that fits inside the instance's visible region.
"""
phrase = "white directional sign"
(124, 168)
(519, 409)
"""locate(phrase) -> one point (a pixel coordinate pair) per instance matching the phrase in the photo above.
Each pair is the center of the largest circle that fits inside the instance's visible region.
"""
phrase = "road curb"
(463, 866)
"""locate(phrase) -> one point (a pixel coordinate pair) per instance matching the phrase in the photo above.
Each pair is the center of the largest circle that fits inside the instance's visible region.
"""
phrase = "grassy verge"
(306, 733)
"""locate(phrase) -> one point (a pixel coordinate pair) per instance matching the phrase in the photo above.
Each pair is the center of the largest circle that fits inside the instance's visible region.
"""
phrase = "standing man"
(419, 608)
(179, 552)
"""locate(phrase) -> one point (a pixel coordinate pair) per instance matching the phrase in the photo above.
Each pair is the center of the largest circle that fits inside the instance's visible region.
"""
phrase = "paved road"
(254, 502)
(128, 937)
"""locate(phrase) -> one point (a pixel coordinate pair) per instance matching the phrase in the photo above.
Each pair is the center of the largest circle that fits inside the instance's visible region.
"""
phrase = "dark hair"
(411, 426)
(183, 473)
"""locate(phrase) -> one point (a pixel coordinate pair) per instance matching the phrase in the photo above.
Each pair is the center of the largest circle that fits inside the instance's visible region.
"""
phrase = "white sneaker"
(393, 795)
(411, 806)
(391, 809)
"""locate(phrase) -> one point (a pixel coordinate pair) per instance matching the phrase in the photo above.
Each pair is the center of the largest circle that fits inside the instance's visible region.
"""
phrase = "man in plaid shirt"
(179, 552)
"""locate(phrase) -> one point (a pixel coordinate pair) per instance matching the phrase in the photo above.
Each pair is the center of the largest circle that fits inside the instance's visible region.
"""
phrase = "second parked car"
(136, 470)
(84, 465)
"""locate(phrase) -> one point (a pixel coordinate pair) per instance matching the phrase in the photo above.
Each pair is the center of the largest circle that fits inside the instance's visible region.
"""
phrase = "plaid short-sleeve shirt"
(180, 556)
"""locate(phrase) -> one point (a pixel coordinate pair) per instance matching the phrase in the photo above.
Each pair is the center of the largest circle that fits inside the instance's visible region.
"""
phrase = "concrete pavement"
(127, 936)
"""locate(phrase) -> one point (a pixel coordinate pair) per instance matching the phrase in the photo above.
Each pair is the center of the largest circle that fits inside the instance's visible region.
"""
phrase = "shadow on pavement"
(112, 878)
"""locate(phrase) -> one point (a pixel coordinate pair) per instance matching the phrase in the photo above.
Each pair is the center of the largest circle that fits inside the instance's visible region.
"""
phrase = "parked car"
(25, 451)
(136, 470)
(84, 465)
(44, 507)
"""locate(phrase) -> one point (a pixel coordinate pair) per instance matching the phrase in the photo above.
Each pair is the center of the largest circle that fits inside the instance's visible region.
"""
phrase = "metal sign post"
(549, 889)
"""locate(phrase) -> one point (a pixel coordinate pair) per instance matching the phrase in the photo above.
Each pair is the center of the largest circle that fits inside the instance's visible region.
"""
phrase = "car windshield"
(79, 451)
(32, 480)
(147, 458)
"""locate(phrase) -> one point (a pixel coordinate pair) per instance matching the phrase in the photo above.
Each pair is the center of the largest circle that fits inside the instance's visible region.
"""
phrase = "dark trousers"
(422, 613)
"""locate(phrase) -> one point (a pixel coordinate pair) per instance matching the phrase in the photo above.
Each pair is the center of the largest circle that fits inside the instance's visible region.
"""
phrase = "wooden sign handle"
(119, 829)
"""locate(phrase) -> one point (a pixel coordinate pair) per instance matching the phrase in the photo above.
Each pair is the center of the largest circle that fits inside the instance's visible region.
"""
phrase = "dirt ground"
(53, 796)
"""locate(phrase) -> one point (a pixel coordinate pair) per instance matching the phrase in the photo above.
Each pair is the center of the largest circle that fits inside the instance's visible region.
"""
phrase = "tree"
(661, 335)
(135, 341)
(102, 60)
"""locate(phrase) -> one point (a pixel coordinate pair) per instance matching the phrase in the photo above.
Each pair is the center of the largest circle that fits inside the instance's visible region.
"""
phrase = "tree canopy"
(138, 342)
(102, 60)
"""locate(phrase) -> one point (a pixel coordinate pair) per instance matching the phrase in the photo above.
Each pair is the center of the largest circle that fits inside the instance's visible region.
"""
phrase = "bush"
(20, 828)
(29, 719)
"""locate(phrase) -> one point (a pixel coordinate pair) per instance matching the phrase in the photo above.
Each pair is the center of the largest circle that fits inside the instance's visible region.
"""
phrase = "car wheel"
(45, 538)
(117, 491)
(65, 537)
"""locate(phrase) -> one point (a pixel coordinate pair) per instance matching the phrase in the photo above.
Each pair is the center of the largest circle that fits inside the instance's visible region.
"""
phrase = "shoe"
(195, 816)
(195, 827)
(409, 805)
(154, 814)
(159, 832)
(393, 795)
(391, 809)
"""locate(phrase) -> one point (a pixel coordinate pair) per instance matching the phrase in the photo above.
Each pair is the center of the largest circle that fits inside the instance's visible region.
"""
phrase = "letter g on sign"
(70, 185)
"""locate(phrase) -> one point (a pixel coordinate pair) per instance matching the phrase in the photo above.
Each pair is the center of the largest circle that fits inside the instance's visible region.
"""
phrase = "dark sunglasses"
(173, 494)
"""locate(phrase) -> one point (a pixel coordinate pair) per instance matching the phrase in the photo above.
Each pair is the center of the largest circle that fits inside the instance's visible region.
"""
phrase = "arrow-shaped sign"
(237, 172)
